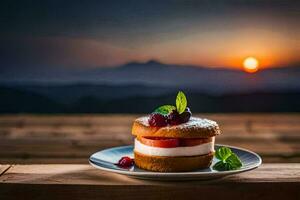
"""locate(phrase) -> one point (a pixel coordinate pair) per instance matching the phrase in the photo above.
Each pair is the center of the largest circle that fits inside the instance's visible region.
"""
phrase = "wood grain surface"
(38, 139)
(81, 181)
(3, 169)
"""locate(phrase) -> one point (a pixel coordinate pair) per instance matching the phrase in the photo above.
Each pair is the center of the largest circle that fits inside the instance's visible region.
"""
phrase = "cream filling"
(200, 149)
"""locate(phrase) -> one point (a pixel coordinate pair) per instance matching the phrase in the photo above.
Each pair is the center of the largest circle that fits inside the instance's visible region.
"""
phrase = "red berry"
(125, 162)
(174, 118)
(157, 119)
(186, 115)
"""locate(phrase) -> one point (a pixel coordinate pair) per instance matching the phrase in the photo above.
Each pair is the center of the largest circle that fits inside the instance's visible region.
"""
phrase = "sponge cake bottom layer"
(172, 164)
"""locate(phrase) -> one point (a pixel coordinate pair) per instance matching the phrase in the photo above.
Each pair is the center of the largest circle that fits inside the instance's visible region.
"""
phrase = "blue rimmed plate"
(107, 158)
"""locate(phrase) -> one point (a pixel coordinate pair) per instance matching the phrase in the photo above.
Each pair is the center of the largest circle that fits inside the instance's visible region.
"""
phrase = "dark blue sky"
(55, 34)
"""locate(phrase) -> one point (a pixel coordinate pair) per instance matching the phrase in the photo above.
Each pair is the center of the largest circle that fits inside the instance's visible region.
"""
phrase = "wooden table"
(35, 151)
(81, 181)
(72, 139)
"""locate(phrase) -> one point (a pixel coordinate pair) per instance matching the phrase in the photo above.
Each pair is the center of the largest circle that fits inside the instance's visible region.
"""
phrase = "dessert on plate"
(171, 140)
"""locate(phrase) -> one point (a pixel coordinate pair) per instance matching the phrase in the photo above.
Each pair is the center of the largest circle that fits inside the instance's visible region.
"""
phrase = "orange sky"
(272, 49)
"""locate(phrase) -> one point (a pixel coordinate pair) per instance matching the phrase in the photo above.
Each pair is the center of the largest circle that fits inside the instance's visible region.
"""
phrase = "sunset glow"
(251, 65)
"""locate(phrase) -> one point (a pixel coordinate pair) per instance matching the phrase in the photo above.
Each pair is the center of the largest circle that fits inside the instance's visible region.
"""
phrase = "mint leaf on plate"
(165, 109)
(234, 161)
(223, 153)
(228, 160)
(221, 166)
(181, 102)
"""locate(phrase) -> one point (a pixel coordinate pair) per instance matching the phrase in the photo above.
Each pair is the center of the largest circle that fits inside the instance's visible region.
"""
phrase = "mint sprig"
(228, 160)
(165, 109)
(181, 104)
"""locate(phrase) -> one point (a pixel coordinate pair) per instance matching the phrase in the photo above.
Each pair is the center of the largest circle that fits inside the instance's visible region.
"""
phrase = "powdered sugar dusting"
(143, 120)
(194, 122)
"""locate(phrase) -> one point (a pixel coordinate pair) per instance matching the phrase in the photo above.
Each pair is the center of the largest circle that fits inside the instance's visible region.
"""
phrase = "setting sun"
(250, 65)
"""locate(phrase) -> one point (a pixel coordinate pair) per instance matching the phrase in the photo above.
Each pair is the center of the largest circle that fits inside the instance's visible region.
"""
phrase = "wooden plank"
(36, 138)
(58, 120)
(88, 119)
(73, 149)
(84, 174)
(118, 132)
(247, 191)
(270, 181)
(69, 148)
(228, 122)
(84, 160)
(83, 125)
(111, 125)
(3, 168)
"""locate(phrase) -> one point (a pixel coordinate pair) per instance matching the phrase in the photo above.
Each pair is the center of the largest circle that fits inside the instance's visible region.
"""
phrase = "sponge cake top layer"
(194, 128)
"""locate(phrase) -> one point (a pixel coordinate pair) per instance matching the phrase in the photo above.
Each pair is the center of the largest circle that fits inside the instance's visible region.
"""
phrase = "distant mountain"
(140, 87)
(214, 81)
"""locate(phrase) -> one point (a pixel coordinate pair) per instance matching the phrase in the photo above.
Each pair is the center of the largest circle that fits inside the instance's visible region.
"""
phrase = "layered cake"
(171, 140)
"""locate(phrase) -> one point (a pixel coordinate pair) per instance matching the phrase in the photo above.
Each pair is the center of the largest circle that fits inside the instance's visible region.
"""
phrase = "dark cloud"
(103, 18)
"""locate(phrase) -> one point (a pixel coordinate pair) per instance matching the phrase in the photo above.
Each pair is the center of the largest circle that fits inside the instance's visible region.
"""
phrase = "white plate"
(107, 158)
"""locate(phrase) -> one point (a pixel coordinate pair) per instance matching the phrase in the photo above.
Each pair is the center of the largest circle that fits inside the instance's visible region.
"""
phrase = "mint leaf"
(181, 102)
(223, 153)
(165, 109)
(219, 166)
(228, 160)
(234, 161)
